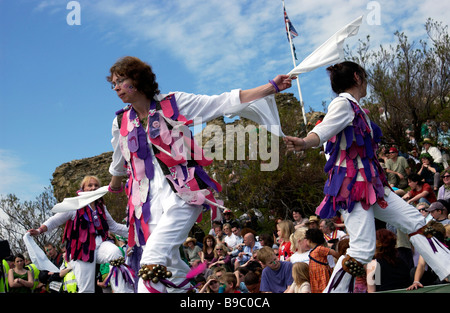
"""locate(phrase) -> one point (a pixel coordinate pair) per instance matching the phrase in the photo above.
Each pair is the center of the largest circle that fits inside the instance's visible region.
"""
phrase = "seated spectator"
(382, 153)
(313, 222)
(298, 219)
(420, 191)
(192, 251)
(218, 234)
(300, 274)
(444, 190)
(284, 230)
(439, 211)
(429, 171)
(208, 251)
(397, 169)
(267, 240)
(331, 234)
(228, 217)
(236, 230)
(299, 245)
(276, 276)
(240, 273)
(423, 209)
(222, 258)
(229, 283)
(250, 245)
(387, 271)
(200, 281)
(211, 286)
(428, 147)
(252, 281)
(230, 239)
(214, 224)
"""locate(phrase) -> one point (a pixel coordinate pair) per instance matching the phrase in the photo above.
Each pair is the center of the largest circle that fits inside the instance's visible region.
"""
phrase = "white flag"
(330, 52)
(37, 256)
(263, 111)
(83, 199)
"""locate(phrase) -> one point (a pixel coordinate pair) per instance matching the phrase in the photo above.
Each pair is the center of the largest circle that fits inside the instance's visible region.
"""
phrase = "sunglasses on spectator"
(446, 176)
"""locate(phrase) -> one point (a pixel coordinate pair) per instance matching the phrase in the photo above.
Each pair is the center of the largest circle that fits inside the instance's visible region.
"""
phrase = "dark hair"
(315, 235)
(342, 75)
(416, 178)
(19, 256)
(140, 73)
(268, 239)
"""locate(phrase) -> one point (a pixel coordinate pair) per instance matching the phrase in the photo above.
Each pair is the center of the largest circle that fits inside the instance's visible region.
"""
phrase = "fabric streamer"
(263, 111)
(80, 201)
(37, 256)
(330, 52)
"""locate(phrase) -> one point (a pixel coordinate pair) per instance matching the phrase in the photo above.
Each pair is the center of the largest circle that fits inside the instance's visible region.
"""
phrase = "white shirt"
(231, 241)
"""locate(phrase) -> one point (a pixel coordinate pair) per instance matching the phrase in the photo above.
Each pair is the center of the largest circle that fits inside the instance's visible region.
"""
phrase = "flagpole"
(295, 65)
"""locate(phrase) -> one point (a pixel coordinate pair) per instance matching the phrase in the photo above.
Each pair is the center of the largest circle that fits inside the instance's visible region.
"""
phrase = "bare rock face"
(68, 176)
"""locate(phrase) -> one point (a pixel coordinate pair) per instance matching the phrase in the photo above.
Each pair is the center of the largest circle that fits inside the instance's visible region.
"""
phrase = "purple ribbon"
(127, 274)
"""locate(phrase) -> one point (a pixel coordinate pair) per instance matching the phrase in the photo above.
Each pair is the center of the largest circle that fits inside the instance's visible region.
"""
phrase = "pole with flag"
(292, 33)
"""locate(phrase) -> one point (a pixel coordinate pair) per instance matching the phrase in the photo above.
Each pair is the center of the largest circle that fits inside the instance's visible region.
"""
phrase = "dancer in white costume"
(85, 235)
(357, 185)
(166, 188)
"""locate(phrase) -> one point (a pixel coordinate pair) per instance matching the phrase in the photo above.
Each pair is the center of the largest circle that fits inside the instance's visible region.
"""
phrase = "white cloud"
(231, 42)
(15, 180)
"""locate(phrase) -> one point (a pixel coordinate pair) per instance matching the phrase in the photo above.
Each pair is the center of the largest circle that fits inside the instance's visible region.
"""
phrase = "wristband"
(274, 85)
(115, 191)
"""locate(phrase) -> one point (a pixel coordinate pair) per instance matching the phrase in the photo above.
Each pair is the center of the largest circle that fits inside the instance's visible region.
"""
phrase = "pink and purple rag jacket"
(80, 232)
(178, 155)
(344, 187)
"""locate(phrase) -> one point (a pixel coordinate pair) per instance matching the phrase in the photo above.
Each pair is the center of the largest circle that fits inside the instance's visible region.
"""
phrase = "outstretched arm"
(282, 82)
(298, 144)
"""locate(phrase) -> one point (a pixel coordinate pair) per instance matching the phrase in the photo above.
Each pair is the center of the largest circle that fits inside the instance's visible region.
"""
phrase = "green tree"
(22, 216)
(409, 81)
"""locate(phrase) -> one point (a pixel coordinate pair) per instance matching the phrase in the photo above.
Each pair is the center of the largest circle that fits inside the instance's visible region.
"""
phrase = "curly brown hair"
(140, 73)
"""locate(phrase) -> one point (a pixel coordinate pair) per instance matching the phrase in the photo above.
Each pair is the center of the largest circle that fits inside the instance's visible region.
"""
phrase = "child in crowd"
(276, 275)
(319, 269)
(300, 274)
(299, 246)
(229, 283)
(284, 230)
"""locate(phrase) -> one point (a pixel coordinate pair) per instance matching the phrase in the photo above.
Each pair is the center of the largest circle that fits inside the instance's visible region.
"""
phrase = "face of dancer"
(124, 88)
(91, 185)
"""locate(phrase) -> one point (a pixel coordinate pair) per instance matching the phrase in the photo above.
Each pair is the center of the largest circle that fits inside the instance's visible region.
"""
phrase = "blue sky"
(57, 106)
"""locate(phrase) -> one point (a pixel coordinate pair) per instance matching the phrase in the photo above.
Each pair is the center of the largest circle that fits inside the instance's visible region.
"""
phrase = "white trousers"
(360, 225)
(166, 236)
(105, 252)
